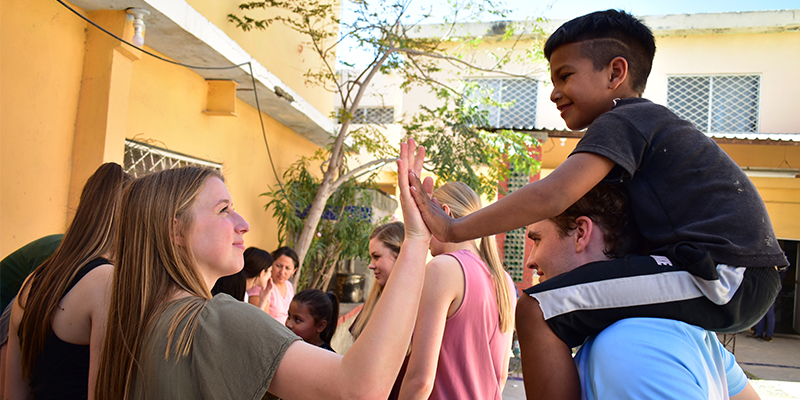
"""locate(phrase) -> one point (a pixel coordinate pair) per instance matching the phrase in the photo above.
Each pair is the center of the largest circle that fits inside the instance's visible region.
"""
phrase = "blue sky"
(568, 9)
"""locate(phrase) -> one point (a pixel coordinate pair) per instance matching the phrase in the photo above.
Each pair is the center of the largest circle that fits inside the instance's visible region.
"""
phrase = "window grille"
(374, 115)
(141, 159)
(514, 246)
(716, 103)
(520, 93)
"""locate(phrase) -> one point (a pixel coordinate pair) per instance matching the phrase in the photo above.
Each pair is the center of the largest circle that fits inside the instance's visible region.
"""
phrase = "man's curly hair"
(607, 206)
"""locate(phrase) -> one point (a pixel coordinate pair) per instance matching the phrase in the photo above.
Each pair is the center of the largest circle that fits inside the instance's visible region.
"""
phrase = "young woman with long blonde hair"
(462, 338)
(384, 246)
(168, 338)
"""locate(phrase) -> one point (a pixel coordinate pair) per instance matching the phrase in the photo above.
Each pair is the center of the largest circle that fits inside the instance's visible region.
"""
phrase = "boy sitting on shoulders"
(693, 205)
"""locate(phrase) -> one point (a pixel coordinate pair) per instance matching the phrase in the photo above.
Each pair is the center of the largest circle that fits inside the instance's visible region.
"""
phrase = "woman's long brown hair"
(151, 268)
(89, 236)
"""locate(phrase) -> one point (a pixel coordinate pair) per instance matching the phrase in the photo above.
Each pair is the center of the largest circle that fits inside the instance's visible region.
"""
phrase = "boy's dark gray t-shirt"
(234, 355)
(682, 186)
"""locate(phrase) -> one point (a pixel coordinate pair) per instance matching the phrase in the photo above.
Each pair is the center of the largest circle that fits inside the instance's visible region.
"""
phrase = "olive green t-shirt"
(235, 353)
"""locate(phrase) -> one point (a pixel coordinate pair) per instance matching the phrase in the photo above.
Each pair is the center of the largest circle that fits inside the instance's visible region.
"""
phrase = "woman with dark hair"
(167, 337)
(255, 274)
(59, 317)
(280, 295)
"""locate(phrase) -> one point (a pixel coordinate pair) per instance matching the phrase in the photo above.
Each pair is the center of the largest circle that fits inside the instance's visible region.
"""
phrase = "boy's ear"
(619, 72)
(321, 325)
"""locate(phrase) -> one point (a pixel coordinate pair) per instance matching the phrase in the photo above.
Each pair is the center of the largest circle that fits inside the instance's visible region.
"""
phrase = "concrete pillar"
(100, 125)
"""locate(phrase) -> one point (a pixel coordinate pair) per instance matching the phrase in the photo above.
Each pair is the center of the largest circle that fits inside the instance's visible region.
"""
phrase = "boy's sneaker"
(754, 335)
(766, 338)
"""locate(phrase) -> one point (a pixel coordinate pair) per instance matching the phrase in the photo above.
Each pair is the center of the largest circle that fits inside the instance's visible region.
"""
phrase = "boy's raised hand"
(433, 214)
(409, 163)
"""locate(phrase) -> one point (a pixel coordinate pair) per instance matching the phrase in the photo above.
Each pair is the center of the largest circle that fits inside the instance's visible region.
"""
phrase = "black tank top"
(62, 369)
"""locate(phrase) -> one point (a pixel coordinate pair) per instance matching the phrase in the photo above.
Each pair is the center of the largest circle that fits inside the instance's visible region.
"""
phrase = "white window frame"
(496, 117)
(709, 116)
(366, 111)
(159, 159)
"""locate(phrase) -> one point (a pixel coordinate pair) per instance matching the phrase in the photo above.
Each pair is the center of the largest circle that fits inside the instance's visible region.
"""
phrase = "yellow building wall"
(781, 195)
(42, 56)
(41, 60)
(166, 108)
(281, 50)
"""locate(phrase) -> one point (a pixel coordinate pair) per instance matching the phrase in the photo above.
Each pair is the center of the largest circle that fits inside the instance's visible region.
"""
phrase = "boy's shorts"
(586, 300)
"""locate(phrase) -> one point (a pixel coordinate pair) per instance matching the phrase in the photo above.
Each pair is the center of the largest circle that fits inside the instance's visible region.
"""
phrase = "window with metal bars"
(520, 93)
(514, 246)
(142, 158)
(716, 103)
(374, 115)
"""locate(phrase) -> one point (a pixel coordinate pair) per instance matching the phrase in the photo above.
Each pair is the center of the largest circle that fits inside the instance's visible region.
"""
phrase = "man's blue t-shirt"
(652, 358)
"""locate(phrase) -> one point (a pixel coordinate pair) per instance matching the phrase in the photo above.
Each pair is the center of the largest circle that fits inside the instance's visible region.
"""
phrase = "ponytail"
(333, 319)
(463, 201)
(488, 250)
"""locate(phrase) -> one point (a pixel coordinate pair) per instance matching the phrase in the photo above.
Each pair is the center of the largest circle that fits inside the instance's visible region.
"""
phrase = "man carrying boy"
(691, 202)
(658, 358)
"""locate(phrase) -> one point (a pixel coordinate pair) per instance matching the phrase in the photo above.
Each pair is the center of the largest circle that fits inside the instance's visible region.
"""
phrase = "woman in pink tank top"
(462, 338)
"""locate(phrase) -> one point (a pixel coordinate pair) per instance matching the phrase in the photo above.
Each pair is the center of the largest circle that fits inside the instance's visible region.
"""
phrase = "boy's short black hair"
(606, 35)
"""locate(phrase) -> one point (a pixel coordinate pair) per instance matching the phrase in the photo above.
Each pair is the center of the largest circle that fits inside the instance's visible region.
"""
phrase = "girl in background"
(59, 317)
(384, 246)
(462, 337)
(313, 315)
(255, 274)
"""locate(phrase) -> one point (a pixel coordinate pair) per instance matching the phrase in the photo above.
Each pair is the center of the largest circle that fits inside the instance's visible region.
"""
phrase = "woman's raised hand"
(410, 162)
(437, 221)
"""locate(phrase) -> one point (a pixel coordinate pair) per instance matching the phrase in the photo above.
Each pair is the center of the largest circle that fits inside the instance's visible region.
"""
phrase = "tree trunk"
(326, 277)
(329, 181)
(310, 226)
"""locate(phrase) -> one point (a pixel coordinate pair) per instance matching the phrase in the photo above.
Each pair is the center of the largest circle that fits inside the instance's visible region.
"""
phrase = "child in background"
(253, 278)
(313, 315)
